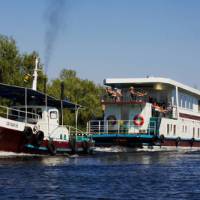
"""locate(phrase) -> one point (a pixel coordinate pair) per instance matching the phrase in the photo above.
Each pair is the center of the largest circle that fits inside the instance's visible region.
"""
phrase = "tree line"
(16, 68)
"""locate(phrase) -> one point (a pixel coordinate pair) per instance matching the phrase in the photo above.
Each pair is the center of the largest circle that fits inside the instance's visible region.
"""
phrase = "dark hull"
(128, 140)
(16, 141)
(140, 140)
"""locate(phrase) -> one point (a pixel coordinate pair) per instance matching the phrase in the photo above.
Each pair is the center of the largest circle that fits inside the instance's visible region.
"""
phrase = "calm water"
(141, 175)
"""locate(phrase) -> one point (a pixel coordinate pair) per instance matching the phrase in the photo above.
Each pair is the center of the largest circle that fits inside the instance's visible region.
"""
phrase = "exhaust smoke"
(55, 18)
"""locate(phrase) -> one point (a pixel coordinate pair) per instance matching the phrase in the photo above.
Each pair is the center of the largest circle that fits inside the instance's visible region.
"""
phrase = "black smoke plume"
(55, 22)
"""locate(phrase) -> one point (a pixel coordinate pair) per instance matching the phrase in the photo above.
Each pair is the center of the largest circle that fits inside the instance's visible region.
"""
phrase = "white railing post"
(99, 126)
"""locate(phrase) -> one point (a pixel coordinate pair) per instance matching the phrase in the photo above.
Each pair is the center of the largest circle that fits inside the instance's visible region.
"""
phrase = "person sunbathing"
(134, 93)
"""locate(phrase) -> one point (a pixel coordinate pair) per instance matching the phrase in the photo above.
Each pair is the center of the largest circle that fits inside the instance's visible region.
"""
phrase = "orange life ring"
(138, 120)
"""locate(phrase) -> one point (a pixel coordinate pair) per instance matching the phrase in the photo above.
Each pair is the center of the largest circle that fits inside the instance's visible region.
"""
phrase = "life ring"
(112, 120)
(39, 137)
(138, 120)
(28, 133)
(51, 148)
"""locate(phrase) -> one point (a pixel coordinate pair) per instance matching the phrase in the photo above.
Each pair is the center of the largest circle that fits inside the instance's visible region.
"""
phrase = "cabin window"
(61, 136)
(193, 132)
(174, 129)
(199, 105)
(167, 129)
(65, 137)
(53, 115)
(188, 103)
(185, 129)
(198, 132)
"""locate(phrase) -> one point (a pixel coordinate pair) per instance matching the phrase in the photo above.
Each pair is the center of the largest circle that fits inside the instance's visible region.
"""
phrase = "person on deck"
(134, 94)
(111, 93)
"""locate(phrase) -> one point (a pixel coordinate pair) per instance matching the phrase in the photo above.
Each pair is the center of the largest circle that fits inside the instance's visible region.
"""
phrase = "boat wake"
(5, 154)
(114, 149)
(120, 149)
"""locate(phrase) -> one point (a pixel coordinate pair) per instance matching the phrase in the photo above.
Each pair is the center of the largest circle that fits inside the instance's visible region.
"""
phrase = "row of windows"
(186, 101)
(171, 129)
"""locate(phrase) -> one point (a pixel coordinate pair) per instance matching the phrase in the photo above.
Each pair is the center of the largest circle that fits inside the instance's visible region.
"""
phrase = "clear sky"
(113, 38)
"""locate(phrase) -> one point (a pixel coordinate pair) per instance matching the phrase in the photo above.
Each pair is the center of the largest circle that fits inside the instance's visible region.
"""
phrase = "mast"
(35, 75)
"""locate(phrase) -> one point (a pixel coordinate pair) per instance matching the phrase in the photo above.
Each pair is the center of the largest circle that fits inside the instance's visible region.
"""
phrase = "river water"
(139, 175)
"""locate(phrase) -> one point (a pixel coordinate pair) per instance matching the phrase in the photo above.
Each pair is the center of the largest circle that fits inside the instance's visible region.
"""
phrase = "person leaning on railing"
(134, 94)
(114, 94)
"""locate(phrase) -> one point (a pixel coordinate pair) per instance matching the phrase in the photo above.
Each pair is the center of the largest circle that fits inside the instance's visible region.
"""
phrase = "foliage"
(83, 92)
(14, 66)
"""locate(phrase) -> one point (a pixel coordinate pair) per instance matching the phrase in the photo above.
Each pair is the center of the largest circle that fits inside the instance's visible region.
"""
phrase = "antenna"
(35, 75)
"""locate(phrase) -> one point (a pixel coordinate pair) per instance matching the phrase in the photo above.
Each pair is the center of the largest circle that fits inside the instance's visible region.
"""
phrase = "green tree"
(83, 92)
(13, 65)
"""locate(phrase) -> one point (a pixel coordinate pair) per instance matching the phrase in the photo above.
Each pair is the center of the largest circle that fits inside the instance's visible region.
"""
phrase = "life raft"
(138, 120)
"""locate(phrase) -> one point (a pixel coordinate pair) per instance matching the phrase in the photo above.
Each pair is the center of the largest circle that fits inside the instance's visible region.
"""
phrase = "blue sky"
(113, 38)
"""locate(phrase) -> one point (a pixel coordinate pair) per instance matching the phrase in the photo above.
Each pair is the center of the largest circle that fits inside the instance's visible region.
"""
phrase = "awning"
(17, 94)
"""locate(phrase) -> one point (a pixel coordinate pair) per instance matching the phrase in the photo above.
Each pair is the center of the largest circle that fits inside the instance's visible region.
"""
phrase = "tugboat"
(152, 112)
(31, 124)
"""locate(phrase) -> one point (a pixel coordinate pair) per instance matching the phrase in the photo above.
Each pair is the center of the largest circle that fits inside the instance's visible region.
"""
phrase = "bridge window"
(53, 114)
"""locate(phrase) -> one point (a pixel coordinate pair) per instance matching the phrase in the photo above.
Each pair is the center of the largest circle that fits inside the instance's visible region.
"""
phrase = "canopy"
(18, 94)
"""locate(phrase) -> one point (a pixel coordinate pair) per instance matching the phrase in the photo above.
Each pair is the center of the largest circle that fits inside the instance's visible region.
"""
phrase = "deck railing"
(123, 99)
(18, 115)
(120, 127)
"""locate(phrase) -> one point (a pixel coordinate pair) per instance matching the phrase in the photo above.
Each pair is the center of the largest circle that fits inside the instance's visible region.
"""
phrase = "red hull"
(15, 141)
(181, 143)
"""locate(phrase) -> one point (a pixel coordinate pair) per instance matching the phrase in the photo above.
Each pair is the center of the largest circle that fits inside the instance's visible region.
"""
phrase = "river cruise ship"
(148, 112)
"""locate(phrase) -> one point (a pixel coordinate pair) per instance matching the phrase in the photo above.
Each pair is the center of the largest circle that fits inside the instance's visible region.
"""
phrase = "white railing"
(119, 127)
(77, 132)
(18, 115)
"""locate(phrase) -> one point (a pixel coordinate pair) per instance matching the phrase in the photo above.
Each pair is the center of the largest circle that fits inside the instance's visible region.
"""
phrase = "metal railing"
(123, 99)
(18, 115)
(119, 127)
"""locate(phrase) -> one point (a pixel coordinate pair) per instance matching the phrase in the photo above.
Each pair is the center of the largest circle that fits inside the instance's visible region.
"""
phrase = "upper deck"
(155, 82)
(162, 92)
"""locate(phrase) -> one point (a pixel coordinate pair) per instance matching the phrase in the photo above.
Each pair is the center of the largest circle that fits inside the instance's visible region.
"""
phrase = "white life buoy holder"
(138, 120)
